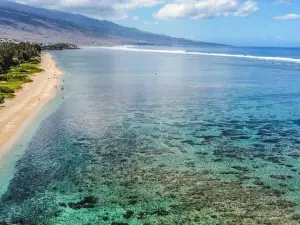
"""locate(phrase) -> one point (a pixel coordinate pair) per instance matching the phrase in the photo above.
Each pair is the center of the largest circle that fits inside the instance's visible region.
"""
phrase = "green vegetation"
(13, 54)
(17, 63)
(1, 99)
(58, 46)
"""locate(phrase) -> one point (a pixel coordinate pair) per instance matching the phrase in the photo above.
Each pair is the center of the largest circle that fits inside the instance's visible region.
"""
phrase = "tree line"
(14, 54)
(18, 61)
(58, 46)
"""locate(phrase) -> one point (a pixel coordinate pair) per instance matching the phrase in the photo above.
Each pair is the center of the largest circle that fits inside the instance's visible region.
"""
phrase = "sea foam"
(133, 49)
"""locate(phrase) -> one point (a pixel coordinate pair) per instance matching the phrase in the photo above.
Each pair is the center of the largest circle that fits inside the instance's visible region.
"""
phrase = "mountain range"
(24, 22)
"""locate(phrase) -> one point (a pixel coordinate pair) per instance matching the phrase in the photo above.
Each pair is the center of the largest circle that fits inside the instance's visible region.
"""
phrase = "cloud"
(203, 9)
(94, 8)
(278, 2)
(287, 17)
(135, 18)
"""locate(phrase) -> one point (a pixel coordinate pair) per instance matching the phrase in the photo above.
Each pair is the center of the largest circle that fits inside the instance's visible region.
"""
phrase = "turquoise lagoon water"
(162, 136)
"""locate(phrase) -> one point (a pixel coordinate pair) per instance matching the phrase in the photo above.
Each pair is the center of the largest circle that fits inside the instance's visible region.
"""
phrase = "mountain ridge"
(19, 21)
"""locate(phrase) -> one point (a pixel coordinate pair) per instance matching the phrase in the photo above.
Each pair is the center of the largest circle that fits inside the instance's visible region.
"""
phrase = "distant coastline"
(17, 113)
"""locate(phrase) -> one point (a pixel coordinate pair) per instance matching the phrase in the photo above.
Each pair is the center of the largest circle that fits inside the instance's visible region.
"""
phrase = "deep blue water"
(162, 137)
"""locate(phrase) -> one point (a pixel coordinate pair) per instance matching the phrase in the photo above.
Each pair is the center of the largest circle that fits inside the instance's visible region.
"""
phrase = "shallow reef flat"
(162, 180)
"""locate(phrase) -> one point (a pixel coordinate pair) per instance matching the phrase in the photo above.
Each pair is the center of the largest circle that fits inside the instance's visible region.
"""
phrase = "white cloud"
(282, 2)
(95, 8)
(135, 18)
(287, 17)
(203, 9)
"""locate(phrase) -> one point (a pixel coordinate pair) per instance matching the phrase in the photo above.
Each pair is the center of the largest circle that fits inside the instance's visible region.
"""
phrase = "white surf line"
(125, 48)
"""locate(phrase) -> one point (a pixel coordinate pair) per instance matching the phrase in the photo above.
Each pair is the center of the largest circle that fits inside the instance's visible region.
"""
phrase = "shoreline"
(18, 113)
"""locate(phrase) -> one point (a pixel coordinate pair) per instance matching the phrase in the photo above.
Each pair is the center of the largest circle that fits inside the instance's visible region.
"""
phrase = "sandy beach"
(16, 113)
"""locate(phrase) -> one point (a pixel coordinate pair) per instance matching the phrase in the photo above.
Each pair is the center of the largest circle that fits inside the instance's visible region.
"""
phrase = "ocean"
(162, 135)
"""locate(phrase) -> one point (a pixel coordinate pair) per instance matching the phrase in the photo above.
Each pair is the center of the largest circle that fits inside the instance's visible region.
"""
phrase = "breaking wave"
(269, 58)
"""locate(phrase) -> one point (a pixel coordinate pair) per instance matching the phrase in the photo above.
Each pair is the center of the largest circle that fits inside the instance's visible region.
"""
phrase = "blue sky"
(236, 22)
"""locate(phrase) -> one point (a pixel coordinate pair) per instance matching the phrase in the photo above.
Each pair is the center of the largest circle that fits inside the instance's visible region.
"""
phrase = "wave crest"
(269, 58)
